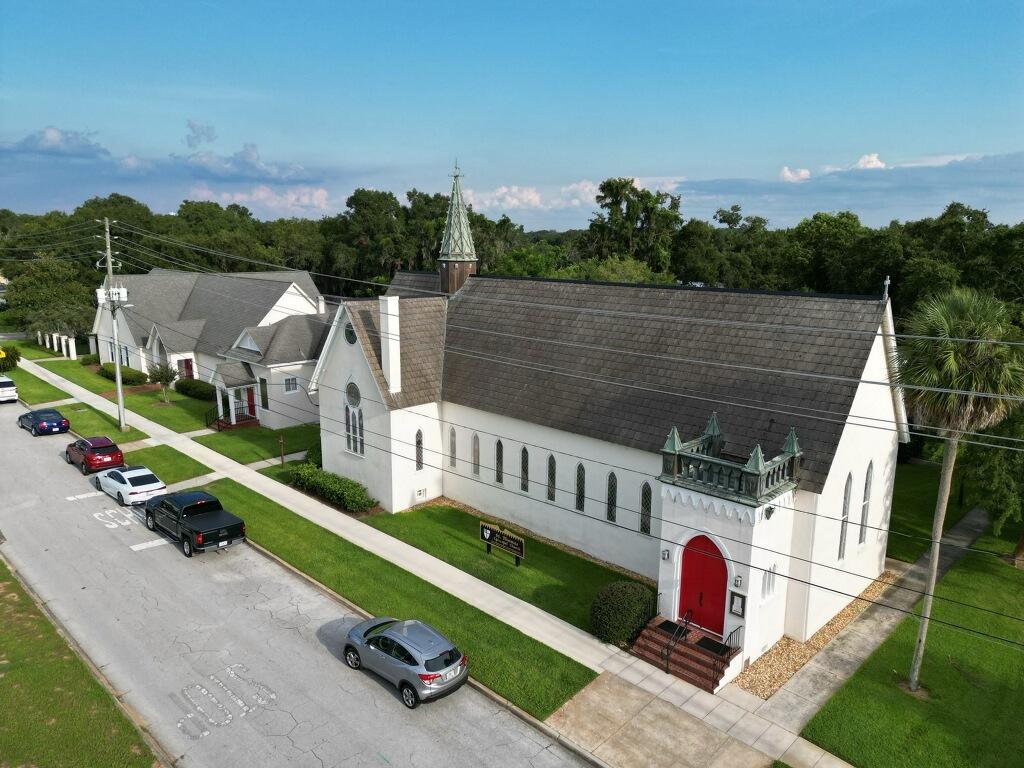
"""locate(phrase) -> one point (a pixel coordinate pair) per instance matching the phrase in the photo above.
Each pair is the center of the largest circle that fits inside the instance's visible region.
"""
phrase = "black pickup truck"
(196, 520)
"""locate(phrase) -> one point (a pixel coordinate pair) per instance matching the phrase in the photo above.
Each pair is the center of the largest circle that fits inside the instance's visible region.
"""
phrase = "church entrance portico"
(702, 585)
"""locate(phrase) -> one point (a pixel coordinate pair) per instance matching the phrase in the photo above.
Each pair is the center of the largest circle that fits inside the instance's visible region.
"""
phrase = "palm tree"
(945, 383)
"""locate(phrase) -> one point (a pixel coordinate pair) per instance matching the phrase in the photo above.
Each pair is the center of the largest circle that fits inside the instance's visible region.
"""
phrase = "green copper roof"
(756, 461)
(673, 444)
(712, 429)
(457, 242)
(792, 445)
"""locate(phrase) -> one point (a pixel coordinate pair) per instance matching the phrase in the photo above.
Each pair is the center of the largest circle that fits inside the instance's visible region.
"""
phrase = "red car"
(92, 454)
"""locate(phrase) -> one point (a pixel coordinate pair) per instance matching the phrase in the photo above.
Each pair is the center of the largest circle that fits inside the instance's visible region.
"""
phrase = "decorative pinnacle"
(673, 444)
(712, 429)
(756, 461)
(457, 241)
(792, 445)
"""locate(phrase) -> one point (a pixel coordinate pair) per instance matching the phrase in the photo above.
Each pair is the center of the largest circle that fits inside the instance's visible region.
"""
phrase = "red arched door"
(702, 589)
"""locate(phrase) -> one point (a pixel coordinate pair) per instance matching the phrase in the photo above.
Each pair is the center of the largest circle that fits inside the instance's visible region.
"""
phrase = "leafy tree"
(1000, 476)
(10, 356)
(730, 217)
(164, 375)
(942, 377)
(47, 296)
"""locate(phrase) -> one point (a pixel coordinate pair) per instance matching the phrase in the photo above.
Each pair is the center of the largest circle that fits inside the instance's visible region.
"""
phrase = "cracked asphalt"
(230, 659)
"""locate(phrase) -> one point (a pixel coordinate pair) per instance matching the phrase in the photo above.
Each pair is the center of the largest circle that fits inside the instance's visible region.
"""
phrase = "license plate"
(106, 458)
(223, 543)
(451, 674)
(55, 429)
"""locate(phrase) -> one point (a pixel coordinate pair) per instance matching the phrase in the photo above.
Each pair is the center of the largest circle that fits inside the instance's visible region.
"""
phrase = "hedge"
(10, 359)
(89, 359)
(314, 456)
(332, 488)
(200, 390)
(620, 609)
(129, 376)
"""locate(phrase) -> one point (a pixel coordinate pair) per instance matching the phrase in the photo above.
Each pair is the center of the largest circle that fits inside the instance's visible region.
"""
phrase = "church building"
(737, 447)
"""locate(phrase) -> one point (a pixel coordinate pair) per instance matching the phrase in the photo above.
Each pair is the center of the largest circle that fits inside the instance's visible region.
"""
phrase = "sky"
(891, 110)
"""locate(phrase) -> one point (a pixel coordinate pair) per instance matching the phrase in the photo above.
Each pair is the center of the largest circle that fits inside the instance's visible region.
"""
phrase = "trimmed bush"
(129, 376)
(313, 455)
(10, 359)
(89, 359)
(332, 488)
(620, 609)
(200, 390)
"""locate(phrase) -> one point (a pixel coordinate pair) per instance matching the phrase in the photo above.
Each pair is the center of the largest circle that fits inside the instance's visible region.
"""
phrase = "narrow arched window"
(551, 478)
(645, 508)
(581, 487)
(451, 446)
(845, 519)
(613, 495)
(476, 454)
(524, 470)
(419, 449)
(865, 505)
(499, 462)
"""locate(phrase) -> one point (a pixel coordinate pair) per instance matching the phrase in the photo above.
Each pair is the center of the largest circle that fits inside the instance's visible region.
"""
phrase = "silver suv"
(411, 655)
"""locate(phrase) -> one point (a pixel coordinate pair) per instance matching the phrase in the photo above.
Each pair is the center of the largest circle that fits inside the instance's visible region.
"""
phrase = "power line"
(46, 232)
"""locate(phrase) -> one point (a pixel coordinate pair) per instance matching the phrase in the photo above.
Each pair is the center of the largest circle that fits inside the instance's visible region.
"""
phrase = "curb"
(523, 715)
(162, 756)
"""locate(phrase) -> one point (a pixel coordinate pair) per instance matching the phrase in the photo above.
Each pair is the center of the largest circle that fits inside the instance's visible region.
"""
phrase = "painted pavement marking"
(147, 545)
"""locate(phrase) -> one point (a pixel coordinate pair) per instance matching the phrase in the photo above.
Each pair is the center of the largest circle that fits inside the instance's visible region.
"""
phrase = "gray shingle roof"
(414, 285)
(608, 394)
(421, 332)
(235, 374)
(290, 340)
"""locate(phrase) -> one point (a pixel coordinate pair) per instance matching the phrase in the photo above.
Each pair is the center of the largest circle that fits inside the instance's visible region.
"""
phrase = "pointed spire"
(712, 429)
(673, 444)
(457, 242)
(756, 461)
(792, 445)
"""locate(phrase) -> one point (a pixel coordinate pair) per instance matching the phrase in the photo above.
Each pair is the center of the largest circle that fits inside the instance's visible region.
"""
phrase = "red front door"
(702, 590)
(250, 397)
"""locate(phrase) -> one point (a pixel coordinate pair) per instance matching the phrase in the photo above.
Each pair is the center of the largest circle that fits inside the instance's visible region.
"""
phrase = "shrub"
(313, 455)
(620, 609)
(89, 359)
(10, 359)
(129, 376)
(200, 390)
(332, 488)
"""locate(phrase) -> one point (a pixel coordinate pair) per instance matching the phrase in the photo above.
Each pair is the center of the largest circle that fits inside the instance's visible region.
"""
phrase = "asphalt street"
(230, 659)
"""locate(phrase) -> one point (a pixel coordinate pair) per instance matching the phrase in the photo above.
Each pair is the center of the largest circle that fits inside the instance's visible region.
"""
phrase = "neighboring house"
(686, 434)
(193, 321)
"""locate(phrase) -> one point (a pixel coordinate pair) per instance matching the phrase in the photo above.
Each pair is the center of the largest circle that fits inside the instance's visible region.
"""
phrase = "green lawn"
(82, 375)
(34, 390)
(913, 507)
(55, 712)
(29, 349)
(975, 686)
(170, 465)
(556, 581)
(184, 414)
(526, 672)
(88, 422)
(281, 473)
(251, 444)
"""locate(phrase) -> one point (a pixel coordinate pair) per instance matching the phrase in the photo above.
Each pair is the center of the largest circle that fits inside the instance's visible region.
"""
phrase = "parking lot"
(229, 658)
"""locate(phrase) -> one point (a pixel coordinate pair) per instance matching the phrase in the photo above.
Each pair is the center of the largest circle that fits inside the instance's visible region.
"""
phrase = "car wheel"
(96, 483)
(352, 657)
(67, 457)
(410, 698)
(35, 432)
(186, 546)
(150, 522)
(120, 499)
(84, 469)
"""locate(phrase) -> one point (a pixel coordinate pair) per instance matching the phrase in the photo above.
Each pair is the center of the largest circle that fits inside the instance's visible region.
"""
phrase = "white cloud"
(198, 133)
(55, 141)
(658, 183)
(515, 198)
(795, 175)
(296, 200)
(931, 161)
(870, 161)
(244, 165)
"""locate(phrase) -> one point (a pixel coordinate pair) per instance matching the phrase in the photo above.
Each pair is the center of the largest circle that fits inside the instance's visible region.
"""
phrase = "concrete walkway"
(276, 461)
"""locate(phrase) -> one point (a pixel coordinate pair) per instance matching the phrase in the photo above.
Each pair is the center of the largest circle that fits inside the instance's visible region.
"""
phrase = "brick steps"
(686, 660)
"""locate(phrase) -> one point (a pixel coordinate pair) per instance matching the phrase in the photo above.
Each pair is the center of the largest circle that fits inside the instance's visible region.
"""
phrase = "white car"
(8, 390)
(130, 485)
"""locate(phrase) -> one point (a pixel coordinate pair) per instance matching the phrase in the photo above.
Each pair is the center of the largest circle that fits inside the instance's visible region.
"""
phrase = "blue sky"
(785, 107)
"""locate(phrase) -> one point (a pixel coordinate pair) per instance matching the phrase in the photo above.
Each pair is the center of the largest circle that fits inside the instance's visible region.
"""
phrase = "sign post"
(493, 535)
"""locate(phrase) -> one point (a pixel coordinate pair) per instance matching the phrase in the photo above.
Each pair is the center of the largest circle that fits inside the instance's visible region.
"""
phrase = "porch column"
(256, 399)
(231, 405)
(93, 349)
(72, 351)
(64, 345)
(220, 403)
(46, 340)
(39, 338)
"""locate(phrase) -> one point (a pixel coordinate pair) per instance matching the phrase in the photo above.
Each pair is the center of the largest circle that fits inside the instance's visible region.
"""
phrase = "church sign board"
(492, 535)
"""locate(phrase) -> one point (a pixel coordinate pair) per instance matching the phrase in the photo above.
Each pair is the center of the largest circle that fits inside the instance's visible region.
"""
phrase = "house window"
(350, 333)
(613, 493)
(451, 446)
(264, 395)
(645, 508)
(524, 470)
(551, 478)
(291, 384)
(865, 505)
(499, 462)
(476, 454)
(581, 487)
(419, 449)
(353, 419)
(845, 518)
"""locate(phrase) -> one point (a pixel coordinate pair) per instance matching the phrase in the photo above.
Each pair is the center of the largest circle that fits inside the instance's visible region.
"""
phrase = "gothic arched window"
(581, 487)
(419, 449)
(476, 454)
(645, 508)
(613, 495)
(499, 462)
(524, 470)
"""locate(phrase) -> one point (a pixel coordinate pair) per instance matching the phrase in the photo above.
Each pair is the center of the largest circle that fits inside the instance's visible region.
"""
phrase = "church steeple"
(457, 259)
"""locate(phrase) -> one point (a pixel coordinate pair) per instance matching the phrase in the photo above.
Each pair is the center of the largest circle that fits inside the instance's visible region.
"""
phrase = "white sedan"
(130, 485)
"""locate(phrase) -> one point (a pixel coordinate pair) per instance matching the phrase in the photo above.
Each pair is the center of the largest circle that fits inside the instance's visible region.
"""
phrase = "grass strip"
(170, 465)
(88, 422)
(249, 444)
(528, 673)
(34, 390)
(182, 414)
(913, 507)
(82, 375)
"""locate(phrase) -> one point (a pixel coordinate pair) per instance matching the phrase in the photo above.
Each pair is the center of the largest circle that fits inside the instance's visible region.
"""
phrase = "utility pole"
(112, 297)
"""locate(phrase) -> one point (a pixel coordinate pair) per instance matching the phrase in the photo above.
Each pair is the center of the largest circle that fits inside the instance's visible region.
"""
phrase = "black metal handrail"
(679, 634)
(731, 642)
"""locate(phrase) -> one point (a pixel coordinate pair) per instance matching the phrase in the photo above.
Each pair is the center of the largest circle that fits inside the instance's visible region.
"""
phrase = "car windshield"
(378, 628)
(200, 507)
(6, 384)
(105, 449)
(446, 659)
(48, 415)
(148, 479)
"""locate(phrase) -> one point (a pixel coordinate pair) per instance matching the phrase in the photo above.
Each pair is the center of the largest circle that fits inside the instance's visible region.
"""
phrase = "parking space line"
(81, 496)
(147, 545)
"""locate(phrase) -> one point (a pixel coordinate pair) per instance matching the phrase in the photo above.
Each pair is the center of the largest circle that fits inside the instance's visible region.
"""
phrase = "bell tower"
(457, 259)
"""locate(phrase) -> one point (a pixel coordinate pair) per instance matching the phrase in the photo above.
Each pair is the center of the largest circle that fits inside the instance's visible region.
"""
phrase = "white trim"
(899, 405)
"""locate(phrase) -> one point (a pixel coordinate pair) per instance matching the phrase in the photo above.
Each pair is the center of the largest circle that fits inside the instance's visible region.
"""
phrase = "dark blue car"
(44, 422)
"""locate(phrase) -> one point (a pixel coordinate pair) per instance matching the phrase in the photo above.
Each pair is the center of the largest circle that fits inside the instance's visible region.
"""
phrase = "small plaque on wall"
(737, 604)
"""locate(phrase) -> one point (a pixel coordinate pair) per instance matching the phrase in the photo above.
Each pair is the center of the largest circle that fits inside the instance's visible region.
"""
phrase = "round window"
(352, 394)
(350, 333)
